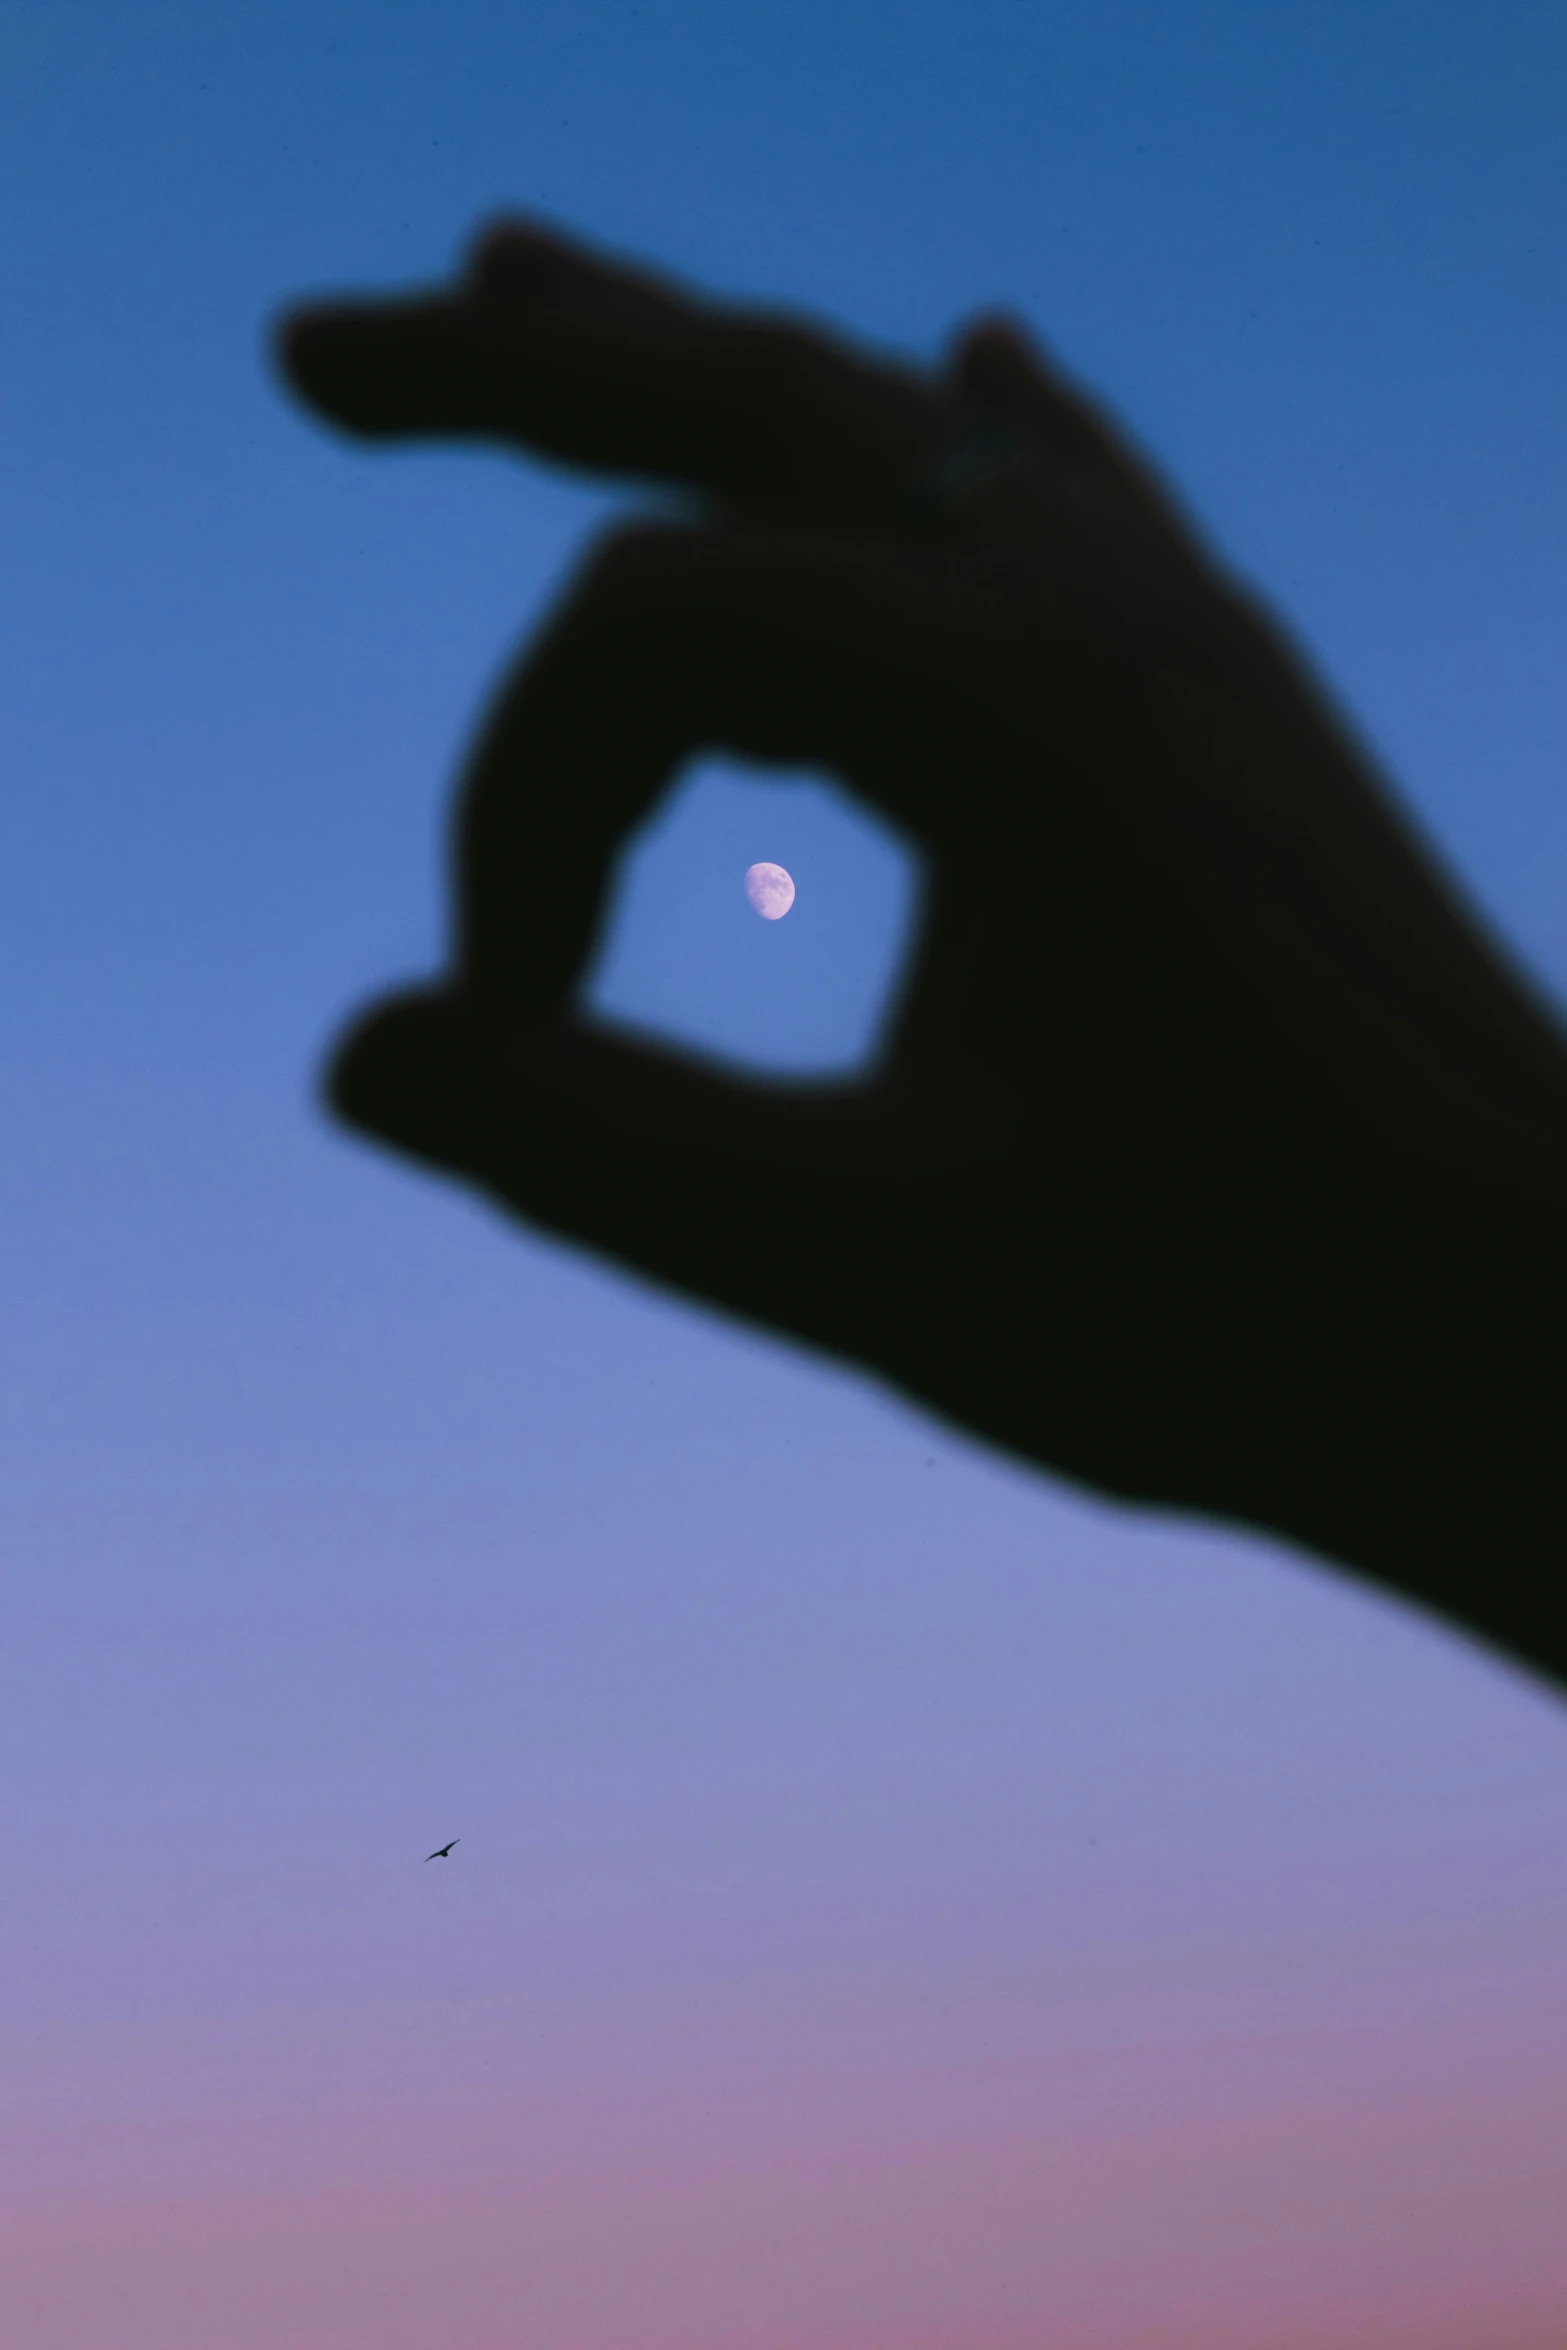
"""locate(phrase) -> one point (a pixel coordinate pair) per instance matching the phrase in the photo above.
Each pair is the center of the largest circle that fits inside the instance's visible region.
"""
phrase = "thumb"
(774, 1203)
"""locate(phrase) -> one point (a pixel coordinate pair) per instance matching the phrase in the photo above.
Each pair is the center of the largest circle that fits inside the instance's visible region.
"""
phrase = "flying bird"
(443, 1851)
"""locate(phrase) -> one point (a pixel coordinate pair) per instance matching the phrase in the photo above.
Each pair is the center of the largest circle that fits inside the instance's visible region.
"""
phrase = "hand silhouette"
(1215, 1160)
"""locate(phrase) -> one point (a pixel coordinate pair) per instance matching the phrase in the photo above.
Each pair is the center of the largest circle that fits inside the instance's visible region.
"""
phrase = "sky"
(902, 1903)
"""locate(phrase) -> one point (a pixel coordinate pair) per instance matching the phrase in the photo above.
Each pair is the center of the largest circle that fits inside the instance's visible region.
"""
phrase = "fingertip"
(315, 351)
(294, 336)
(411, 1072)
(370, 371)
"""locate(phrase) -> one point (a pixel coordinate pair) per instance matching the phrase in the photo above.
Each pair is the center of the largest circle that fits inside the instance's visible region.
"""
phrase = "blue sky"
(841, 1806)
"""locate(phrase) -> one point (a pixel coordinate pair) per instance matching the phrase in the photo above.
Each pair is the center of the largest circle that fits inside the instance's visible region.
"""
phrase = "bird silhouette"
(443, 1851)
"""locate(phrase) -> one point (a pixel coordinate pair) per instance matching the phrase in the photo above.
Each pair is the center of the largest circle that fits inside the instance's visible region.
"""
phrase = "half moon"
(770, 890)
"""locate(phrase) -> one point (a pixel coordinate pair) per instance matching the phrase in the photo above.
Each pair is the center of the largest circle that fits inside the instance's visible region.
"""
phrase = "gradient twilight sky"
(901, 1905)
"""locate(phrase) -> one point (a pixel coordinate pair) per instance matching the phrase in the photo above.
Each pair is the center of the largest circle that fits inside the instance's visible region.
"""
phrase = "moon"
(770, 890)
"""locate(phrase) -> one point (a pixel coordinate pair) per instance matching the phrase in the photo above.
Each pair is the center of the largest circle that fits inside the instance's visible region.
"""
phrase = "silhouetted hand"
(1215, 1159)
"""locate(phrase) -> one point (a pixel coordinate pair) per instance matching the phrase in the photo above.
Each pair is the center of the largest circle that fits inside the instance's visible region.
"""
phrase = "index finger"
(544, 344)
